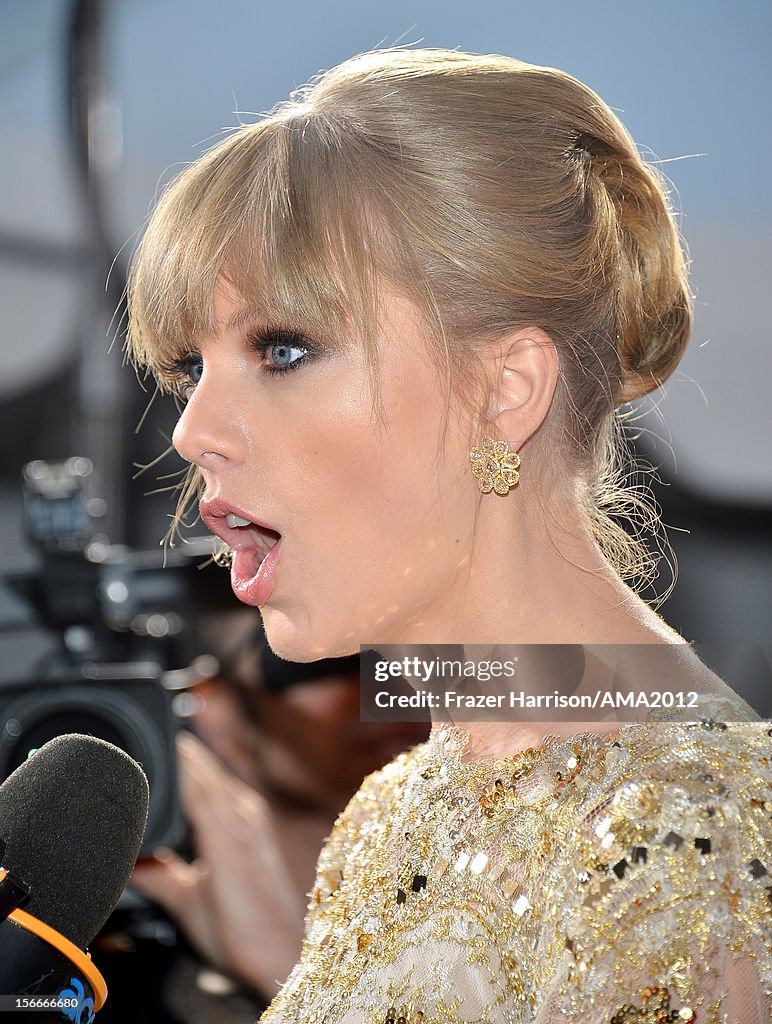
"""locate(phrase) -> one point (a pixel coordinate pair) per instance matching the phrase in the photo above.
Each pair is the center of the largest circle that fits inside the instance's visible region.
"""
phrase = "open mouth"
(255, 548)
(250, 540)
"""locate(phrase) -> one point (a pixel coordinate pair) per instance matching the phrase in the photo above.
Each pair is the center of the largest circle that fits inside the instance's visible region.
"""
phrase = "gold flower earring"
(494, 466)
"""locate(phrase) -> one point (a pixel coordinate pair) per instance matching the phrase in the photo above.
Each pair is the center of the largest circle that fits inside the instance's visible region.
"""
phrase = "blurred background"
(102, 102)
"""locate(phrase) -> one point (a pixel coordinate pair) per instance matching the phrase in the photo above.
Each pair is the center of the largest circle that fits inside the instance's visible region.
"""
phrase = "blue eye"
(282, 350)
(194, 368)
(187, 372)
(286, 355)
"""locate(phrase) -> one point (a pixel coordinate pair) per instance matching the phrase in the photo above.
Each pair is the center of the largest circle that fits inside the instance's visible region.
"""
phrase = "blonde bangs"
(267, 212)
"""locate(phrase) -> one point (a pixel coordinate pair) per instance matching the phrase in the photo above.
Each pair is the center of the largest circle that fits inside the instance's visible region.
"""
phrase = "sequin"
(654, 1008)
(478, 863)
(673, 840)
(756, 868)
(463, 860)
(539, 887)
(619, 868)
(520, 905)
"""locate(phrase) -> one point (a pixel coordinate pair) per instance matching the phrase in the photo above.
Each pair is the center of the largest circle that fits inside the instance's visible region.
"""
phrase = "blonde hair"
(494, 193)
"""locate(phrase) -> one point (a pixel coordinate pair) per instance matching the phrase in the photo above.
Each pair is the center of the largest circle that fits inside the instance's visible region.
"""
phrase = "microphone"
(71, 824)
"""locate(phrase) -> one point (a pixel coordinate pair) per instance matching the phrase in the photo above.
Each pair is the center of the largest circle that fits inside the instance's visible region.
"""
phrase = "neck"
(528, 584)
(522, 576)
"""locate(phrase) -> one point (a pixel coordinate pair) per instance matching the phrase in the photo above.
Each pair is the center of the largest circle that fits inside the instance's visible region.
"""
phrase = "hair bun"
(654, 305)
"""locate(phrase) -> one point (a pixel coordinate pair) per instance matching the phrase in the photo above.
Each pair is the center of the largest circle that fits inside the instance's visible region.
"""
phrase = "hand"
(237, 903)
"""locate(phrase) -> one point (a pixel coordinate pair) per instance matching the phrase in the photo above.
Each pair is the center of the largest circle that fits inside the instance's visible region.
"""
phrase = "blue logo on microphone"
(81, 1007)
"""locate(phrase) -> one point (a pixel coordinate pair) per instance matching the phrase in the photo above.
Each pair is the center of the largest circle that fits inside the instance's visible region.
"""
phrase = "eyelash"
(277, 337)
(260, 341)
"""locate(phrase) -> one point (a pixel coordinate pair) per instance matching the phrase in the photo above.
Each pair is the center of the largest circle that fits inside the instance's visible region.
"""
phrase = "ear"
(522, 373)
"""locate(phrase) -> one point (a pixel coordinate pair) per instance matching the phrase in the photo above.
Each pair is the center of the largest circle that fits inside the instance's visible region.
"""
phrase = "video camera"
(124, 621)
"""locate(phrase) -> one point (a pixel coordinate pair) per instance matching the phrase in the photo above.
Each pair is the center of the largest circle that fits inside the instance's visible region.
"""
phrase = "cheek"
(390, 500)
(382, 476)
(380, 515)
(357, 465)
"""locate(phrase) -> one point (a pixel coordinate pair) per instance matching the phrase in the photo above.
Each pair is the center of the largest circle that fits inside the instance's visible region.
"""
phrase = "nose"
(207, 432)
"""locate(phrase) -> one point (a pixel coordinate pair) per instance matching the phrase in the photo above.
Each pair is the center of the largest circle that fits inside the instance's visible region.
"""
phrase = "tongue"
(245, 564)
(253, 577)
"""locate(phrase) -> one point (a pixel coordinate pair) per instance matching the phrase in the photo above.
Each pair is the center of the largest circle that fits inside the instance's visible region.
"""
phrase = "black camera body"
(125, 704)
(124, 621)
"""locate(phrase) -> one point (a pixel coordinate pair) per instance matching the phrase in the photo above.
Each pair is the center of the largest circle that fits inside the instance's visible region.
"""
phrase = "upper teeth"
(233, 520)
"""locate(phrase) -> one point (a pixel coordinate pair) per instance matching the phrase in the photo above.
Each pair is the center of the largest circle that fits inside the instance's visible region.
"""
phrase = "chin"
(292, 641)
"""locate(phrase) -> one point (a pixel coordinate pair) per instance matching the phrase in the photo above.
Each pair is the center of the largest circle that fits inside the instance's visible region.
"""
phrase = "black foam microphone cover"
(72, 818)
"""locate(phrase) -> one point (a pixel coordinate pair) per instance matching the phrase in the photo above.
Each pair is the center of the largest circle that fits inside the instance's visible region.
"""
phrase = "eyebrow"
(244, 316)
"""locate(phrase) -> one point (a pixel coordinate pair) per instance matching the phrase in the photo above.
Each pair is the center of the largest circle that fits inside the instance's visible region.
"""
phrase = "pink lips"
(253, 580)
(253, 570)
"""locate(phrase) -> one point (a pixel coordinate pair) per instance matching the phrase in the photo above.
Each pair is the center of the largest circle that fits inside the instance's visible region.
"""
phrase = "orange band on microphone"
(81, 960)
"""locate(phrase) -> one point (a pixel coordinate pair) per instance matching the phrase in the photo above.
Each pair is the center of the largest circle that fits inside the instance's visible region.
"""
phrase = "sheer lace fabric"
(612, 878)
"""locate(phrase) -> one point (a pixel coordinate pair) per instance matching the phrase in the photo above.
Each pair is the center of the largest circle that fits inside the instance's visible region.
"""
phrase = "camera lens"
(133, 713)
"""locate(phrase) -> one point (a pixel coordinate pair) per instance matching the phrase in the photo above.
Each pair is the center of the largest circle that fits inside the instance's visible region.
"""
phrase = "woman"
(404, 309)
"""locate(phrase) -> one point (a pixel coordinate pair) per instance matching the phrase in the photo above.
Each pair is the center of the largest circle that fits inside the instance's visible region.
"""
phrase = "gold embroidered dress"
(613, 879)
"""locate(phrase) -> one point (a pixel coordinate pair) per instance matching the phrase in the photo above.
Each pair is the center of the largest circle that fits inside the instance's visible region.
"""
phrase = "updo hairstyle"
(493, 193)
